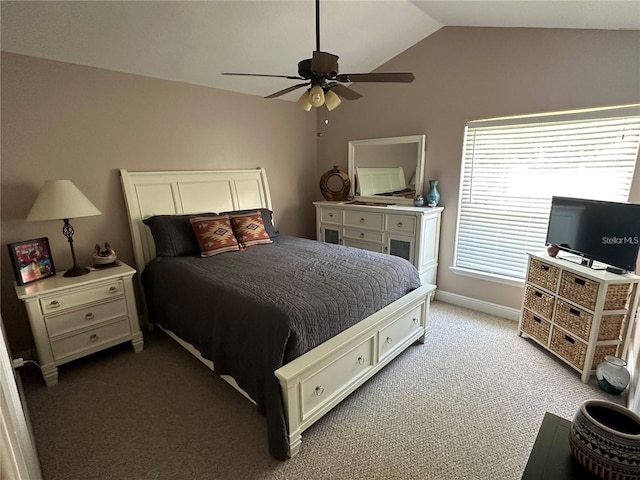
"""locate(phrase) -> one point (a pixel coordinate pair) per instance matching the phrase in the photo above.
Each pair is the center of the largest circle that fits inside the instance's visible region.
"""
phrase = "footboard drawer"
(394, 335)
(323, 385)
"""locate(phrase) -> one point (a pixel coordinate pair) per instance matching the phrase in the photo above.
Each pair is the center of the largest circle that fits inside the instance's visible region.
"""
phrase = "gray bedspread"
(253, 311)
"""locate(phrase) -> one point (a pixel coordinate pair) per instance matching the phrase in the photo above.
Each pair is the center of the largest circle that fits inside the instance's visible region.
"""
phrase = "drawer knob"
(389, 340)
(319, 390)
(399, 224)
(113, 289)
(362, 235)
(360, 359)
(89, 316)
(54, 304)
(331, 214)
(415, 320)
(93, 338)
(362, 220)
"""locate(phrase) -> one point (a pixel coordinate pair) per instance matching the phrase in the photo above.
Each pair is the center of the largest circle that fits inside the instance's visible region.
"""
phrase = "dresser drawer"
(401, 224)
(63, 301)
(391, 337)
(86, 316)
(365, 235)
(364, 219)
(90, 340)
(535, 326)
(543, 274)
(331, 215)
(539, 301)
(322, 387)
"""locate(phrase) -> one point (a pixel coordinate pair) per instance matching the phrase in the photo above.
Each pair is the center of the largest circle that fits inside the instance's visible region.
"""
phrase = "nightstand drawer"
(84, 317)
(63, 301)
(73, 345)
(364, 219)
(401, 224)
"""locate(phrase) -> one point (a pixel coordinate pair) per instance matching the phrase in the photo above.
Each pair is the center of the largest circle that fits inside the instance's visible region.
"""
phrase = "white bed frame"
(318, 380)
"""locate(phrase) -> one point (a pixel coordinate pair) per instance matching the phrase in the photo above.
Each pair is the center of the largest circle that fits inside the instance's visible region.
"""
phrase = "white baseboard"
(478, 305)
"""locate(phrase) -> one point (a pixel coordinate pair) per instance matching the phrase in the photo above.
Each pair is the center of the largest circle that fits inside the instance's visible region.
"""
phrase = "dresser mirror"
(387, 170)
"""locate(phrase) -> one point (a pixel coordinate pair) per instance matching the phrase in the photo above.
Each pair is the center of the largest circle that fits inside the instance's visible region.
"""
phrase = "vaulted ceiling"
(195, 41)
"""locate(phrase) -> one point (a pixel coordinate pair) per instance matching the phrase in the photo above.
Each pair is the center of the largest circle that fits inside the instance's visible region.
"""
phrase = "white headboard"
(182, 192)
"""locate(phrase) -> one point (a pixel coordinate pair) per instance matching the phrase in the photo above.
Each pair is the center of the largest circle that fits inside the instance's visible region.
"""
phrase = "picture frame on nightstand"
(31, 260)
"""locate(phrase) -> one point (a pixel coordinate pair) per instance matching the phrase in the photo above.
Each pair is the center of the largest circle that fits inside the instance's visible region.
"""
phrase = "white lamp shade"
(316, 96)
(59, 200)
(304, 102)
(331, 100)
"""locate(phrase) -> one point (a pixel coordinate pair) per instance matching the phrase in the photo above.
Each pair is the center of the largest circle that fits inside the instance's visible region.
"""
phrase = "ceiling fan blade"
(287, 90)
(291, 77)
(324, 63)
(376, 77)
(345, 92)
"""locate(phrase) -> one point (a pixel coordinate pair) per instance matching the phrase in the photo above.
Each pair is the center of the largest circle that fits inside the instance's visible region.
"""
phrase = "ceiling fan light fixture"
(304, 102)
(331, 100)
(316, 96)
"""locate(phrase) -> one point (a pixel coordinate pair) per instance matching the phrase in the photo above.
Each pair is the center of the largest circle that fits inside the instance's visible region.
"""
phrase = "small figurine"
(102, 258)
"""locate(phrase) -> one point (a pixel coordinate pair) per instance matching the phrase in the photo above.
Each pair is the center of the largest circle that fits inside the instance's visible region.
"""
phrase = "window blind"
(511, 167)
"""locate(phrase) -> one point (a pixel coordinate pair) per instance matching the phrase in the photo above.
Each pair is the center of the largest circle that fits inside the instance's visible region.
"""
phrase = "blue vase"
(433, 196)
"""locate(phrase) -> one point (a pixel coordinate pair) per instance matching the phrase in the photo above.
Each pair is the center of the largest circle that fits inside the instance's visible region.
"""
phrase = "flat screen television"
(607, 232)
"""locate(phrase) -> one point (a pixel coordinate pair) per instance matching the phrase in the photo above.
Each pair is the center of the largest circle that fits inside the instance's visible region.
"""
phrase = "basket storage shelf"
(577, 313)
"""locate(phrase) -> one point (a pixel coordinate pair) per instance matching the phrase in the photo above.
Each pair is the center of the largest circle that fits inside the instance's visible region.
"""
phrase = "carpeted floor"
(465, 405)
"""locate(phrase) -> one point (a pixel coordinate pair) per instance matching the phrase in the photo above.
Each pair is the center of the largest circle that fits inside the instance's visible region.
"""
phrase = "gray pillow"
(173, 235)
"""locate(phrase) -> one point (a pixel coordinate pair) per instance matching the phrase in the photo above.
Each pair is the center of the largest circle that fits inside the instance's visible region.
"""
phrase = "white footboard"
(317, 381)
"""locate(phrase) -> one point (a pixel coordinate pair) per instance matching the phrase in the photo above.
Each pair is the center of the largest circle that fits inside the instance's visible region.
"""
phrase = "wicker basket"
(579, 322)
(601, 352)
(579, 289)
(617, 296)
(574, 319)
(574, 350)
(535, 327)
(585, 292)
(543, 274)
(538, 301)
(568, 347)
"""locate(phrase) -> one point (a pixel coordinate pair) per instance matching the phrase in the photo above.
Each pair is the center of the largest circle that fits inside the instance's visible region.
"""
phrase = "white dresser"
(409, 232)
(72, 317)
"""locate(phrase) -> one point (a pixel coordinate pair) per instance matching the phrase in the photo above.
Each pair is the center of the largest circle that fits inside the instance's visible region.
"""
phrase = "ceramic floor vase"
(605, 439)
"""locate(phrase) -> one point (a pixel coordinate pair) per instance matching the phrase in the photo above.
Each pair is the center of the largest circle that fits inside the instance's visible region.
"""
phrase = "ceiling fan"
(325, 84)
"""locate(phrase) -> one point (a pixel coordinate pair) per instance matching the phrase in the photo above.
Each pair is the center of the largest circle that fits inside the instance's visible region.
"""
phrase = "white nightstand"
(75, 316)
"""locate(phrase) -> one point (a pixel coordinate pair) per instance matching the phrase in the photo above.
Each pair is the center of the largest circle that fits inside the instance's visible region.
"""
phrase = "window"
(511, 167)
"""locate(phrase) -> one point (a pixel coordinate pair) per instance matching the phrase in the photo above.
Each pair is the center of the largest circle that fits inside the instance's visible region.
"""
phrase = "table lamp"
(61, 200)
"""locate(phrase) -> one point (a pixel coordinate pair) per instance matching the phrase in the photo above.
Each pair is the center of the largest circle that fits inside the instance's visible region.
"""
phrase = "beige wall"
(473, 73)
(81, 123)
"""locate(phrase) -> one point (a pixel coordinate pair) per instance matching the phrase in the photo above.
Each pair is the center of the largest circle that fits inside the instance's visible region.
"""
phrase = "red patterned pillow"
(249, 229)
(215, 234)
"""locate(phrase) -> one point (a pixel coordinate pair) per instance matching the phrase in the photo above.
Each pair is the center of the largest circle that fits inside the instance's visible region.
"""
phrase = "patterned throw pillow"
(249, 229)
(214, 234)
